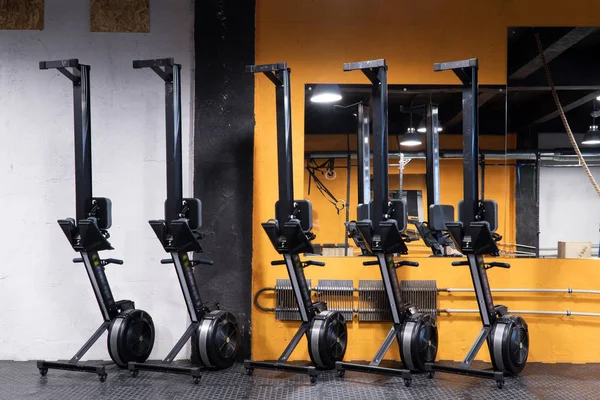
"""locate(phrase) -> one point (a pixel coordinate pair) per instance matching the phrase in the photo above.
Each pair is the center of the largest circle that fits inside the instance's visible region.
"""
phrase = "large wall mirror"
(547, 206)
(550, 176)
(336, 180)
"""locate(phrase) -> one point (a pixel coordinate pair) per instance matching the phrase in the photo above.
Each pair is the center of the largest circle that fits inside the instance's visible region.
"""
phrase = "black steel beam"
(572, 105)
(553, 51)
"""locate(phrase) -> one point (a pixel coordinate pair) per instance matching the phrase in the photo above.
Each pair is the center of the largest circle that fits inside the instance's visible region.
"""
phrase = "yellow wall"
(315, 38)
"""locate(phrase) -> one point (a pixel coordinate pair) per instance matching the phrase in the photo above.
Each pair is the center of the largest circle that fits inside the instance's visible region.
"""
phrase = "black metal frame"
(289, 232)
(178, 231)
(379, 231)
(88, 232)
(465, 232)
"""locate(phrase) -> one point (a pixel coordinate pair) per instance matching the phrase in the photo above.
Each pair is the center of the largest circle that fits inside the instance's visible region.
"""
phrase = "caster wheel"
(249, 371)
(43, 371)
(313, 379)
(407, 382)
(196, 380)
(134, 373)
(102, 378)
(430, 374)
(500, 384)
(341, 373)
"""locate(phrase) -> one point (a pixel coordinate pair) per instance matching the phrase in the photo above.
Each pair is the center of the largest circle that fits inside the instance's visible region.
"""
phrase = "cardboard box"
(574, 249)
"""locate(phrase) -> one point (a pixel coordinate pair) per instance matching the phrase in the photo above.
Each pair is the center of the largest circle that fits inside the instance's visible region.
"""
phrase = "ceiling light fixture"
(326, 93)
(592, 136)
(411, 137)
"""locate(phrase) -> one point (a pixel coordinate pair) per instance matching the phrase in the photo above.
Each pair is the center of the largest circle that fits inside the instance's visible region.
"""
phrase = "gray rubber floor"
(21, 380)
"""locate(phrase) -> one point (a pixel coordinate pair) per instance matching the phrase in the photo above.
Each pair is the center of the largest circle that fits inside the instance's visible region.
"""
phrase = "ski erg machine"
(215, 334)
(290, 233)
(130, 330)
(474, 234)
(380, 225)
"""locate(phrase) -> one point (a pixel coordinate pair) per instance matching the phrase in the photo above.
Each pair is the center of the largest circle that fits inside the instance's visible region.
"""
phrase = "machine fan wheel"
(510, 344)
(328, 339)
(130, 337)
(217, 340)
(418, 342)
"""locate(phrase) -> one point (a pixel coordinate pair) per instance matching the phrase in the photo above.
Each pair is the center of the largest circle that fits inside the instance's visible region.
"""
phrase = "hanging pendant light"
(411, 137)
(592, 136)
(326, 93)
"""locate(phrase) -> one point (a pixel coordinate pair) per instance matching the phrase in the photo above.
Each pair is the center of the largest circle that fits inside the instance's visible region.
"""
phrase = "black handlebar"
(193, 262)
(498, 264)
(304, 264)
(313, 262)
(106, 261)
(459, 263)
(370, 262)
(406, 264)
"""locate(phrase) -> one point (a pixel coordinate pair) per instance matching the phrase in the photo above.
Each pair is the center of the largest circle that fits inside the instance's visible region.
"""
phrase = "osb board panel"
(120, 16)
(22, 14)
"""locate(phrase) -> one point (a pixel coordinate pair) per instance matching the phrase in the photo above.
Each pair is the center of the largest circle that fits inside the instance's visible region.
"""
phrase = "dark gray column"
(224, 151)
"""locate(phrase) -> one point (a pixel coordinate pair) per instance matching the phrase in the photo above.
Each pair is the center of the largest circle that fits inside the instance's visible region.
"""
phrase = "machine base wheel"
(500, 384)
(196, 380)
(341, 373)
(102, 377)
(407, 382)
(510, 344)
(216, 342)
(327, 339)
(313, 379)
(134, 373)
(43, 371)
(430, 374)
(249, 371)
(130, 337)
(418, 342)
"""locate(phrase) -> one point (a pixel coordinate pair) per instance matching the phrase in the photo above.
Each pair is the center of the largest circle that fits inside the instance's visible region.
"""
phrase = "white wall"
(568, 207)
(47, 307)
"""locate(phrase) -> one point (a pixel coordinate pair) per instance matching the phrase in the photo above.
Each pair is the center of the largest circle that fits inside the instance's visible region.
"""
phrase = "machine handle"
(166, 261)
(103, 262)
(370, 262)
(313, 262)
(112, 261)
(202, 261)
(498, 264)
(278, 262)
(406, 263)
(459, 263)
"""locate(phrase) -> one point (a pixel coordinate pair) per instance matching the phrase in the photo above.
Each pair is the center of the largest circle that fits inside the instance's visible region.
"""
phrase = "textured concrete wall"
(47, 307)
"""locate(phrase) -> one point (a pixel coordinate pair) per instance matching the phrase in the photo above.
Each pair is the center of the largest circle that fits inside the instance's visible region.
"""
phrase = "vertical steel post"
(363, 149)
(174, 152)
(284, 146)
(83, 142)
(432, 162)
(379, 112)
(470, 104)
